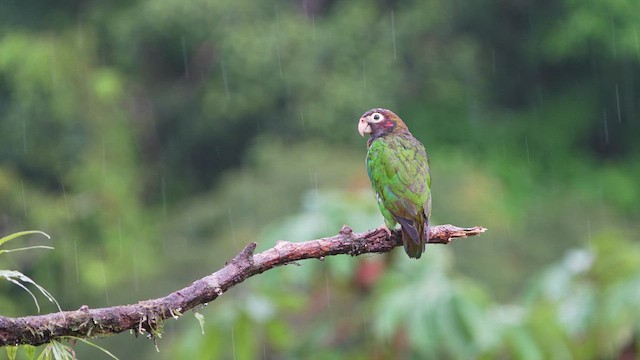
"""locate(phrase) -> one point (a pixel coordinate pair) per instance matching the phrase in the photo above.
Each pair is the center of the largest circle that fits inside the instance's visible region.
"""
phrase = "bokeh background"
(153, 139)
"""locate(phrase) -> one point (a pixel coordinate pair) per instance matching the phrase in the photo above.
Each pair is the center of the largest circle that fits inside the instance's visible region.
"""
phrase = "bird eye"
(377, 117)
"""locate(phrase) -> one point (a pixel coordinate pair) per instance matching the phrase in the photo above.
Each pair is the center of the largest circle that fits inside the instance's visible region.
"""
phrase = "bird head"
(378, 122)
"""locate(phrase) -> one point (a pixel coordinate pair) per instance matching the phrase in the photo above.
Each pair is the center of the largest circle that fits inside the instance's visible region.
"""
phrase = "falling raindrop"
(393, 35)
(53, 64)
(526, 144)
(493, 60)
(184, 57)
(24, 198)
(278, 42)
(600, 197)
(79, 35)
(279, 59)
(327, 288)
(364, 73)
(618, 103)
(613, 38)
(233, 229)
(606, 126)
(225, 81)
(233, 342)
(104, 156)
(75, 254)
(589, 240)
(163, 189)
(120, 236)
(24, 136)
(313, 27)
(104, 279)
(66, 203)
(314, 182)
(635, 38)
(302, 119)
(136, 282)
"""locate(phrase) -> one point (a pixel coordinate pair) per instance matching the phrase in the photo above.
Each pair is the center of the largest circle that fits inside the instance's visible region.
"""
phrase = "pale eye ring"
(376, 117)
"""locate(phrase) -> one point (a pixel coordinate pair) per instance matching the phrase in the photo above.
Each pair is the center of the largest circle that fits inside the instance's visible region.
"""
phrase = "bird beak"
(364, 127)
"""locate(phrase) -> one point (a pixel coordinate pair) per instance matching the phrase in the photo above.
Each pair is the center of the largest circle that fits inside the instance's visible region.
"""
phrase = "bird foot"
(385, 228)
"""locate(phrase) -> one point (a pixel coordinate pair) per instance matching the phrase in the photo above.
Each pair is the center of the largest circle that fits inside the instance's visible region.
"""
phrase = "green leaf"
(27, 248)
(200, 319)
(30, 350)
(90, 344)
(11, 352)
(18, 278)
(22, 233)
(523, 346)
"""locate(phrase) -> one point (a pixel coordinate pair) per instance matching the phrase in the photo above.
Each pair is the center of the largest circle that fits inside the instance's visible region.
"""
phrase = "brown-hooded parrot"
(398, 168)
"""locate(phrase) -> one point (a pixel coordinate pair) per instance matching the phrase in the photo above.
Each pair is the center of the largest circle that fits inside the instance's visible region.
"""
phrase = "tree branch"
(147, 316)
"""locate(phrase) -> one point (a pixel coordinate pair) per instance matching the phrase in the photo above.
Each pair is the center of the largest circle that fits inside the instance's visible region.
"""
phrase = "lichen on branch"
(146, 317)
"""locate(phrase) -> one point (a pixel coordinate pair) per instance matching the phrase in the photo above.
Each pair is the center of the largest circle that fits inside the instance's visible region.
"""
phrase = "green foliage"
(607, 25)
(422, 309)
(20, 279)
(58, 351)
(54, 349)
(67, 349)
(22, 233)
(13, 351)
(154, 139)
(441, 316)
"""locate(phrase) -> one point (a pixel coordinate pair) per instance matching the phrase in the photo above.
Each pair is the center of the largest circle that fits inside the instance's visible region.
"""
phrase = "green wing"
(377, 171)
(398, 168)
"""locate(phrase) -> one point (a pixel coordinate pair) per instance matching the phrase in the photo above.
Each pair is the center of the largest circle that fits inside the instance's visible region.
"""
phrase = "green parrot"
(398, 168)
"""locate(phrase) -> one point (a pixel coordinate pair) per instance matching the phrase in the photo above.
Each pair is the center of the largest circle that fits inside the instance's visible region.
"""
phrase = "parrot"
(398, 168)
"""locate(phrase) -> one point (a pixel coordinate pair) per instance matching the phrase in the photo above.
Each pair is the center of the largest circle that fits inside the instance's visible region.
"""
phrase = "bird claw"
(385, 228)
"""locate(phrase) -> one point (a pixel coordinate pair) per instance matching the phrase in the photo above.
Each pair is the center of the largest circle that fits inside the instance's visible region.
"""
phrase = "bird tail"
(412, 247)
(415, 235)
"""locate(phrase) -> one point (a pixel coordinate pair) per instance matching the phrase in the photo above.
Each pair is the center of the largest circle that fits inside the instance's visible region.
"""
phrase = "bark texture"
(146, 317)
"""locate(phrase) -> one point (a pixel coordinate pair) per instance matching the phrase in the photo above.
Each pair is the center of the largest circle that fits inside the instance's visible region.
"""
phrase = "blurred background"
(154, 139)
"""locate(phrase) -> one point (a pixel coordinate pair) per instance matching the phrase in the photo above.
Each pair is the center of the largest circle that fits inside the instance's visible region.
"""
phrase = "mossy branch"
(146, 316)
